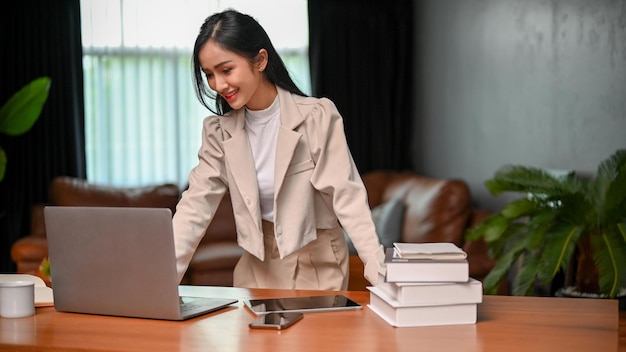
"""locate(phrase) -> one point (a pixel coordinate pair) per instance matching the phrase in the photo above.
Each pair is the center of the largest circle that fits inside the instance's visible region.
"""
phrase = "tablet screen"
(301, 304)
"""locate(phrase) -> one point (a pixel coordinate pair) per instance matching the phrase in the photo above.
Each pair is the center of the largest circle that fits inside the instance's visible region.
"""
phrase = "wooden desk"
(504, 324)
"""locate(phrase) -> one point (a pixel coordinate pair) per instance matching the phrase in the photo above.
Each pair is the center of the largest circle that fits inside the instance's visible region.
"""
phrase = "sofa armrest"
(28, 252)
(356, 280)
(480, 264)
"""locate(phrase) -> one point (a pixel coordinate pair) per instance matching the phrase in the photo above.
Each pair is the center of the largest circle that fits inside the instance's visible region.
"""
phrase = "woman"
(283, 158)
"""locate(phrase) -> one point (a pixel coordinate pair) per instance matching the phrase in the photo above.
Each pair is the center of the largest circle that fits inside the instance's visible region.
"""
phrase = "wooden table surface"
(622, 331)
(504, 324)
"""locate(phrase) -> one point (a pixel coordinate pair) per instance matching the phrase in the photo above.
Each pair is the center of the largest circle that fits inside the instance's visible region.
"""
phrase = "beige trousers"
(320, 265)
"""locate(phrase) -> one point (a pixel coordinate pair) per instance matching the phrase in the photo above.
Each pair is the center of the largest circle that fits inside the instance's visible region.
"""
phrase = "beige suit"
(317, 185)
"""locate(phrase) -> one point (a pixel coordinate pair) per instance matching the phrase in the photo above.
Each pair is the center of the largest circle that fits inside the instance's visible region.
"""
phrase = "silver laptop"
(118, 261)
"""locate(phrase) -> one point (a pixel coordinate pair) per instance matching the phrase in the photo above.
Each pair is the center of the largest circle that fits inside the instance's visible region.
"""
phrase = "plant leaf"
(497, 247)
(609, 188)
(558, 249)
(576, 209)
(537, 230)
(518, 208)
(515, 178)
(609, 254)
(21, 111)
(498, 224)
(490, 228)
(622, 230)
(503, 265)
(524, 282)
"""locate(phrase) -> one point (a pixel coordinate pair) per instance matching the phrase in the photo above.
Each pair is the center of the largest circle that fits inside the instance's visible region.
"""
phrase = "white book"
(432, 293)
(437, 250)
(396, 315)
(43, 293)
(424, 270)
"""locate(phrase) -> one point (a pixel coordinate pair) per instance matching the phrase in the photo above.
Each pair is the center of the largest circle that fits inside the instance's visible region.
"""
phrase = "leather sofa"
(214, 260)
(29, 251)
(435, 210)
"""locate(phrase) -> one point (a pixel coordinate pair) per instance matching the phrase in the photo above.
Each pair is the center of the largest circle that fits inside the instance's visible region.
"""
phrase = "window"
(142, 119)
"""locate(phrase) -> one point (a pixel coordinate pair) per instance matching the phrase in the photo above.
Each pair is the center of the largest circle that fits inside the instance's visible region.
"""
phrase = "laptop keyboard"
(189, 307)
(192, 306)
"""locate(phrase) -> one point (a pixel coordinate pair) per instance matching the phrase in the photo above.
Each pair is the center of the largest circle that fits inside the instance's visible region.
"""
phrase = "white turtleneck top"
(262, 127)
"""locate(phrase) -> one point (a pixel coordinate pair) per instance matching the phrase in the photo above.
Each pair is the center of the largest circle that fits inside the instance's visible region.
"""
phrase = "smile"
(230, 95)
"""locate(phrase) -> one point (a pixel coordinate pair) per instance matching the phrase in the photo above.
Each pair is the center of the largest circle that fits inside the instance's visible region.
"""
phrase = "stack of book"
(425, 284)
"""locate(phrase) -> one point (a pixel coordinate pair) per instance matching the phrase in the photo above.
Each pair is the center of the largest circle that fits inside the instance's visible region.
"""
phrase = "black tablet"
(301, 304)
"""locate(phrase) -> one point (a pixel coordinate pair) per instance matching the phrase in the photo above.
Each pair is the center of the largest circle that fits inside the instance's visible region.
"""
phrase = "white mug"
(17, 299)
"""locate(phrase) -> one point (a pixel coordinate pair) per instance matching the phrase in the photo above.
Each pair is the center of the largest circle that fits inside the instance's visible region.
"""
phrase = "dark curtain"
(361, 58)
(39, 38)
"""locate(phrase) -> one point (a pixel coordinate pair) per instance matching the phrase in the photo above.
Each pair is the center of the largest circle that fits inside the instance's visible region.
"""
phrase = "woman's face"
(233, 77)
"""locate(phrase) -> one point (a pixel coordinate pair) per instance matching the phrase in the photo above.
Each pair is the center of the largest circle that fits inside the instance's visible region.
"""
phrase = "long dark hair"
(244, 36)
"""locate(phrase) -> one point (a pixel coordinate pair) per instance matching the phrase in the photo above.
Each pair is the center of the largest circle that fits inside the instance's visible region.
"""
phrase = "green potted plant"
(570, 224)
(21, 111)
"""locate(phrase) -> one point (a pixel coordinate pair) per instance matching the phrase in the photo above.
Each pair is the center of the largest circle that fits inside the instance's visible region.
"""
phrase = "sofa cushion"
(388, 219)
(436, 210)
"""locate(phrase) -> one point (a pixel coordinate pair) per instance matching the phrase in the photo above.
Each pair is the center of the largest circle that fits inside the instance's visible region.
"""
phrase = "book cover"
(424, 270)
(432, 293)
(43, 293)
(438, 250)
(406, 316)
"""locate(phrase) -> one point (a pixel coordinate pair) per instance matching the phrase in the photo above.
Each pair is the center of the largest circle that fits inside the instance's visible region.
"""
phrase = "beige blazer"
(317, 184)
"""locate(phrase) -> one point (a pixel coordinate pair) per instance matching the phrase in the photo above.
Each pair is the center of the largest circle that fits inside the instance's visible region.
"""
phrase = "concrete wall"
(537, 83)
